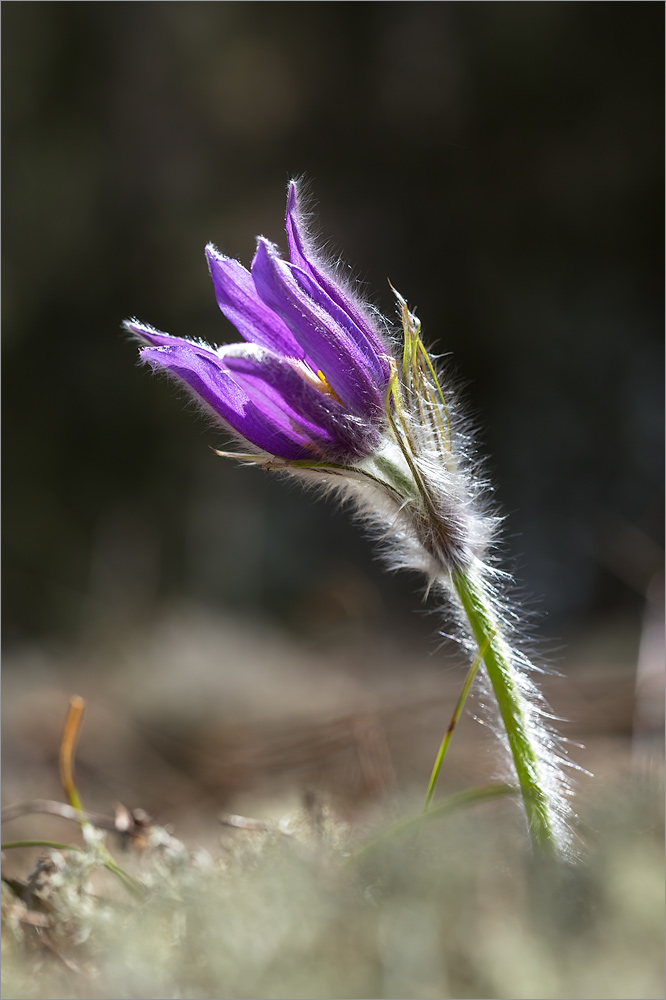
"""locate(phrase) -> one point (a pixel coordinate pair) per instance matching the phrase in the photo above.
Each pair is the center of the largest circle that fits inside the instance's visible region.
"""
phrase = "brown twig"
(70, 736)
(125, 822)
(54, 808)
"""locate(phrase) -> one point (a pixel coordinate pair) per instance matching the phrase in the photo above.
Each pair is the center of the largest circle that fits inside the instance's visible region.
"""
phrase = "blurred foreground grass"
(329, 747)
(283, 911)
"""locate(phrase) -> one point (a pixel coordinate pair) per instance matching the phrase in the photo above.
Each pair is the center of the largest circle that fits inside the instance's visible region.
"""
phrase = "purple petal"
(155, 338)
(303, 255)
(377, 363)
(284, 392)
(329, 346)
(294, 424)
(238, 299)
(226, 398)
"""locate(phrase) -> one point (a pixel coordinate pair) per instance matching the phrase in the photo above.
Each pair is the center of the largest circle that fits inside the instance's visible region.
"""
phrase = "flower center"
(327, 388)
(318, 381)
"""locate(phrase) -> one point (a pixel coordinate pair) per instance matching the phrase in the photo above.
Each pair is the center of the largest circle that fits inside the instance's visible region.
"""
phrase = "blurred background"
(502, 164)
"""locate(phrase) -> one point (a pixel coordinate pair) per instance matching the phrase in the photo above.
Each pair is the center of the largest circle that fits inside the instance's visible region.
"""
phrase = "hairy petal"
(149, 335)
(204, 374)
(303, 255)
(377, 363)
(238, 299)
(282, 392)
(328, 345)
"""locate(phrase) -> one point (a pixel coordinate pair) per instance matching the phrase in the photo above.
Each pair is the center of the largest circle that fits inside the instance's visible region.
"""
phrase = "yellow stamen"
(328, 388)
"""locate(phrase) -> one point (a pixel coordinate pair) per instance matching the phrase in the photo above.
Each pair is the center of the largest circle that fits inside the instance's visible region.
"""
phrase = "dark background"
(500, 162)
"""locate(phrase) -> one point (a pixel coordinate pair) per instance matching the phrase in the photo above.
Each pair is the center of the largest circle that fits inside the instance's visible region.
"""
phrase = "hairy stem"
(512, 707)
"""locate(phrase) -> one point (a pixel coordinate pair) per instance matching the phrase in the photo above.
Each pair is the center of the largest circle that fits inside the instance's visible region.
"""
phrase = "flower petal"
(205, 376)
(377, 362)
(156, 338)
(238, 299)
(329, 346)
(265, 400)
(303, 255)
(289, 399)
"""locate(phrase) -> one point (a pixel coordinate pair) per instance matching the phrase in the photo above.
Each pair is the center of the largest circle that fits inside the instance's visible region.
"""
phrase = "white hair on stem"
(426, 506)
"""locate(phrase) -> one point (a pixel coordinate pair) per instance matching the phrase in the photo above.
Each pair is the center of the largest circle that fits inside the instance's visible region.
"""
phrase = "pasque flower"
(318, 389)
(310, 381)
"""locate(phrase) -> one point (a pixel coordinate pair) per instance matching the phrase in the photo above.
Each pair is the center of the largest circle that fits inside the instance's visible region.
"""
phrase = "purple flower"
(310, 382)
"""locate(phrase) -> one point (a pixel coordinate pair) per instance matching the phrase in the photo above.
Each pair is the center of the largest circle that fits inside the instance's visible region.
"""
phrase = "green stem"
(511, 705)
(54, 844)
(459, 800)
(130, 883)
(457, 712)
